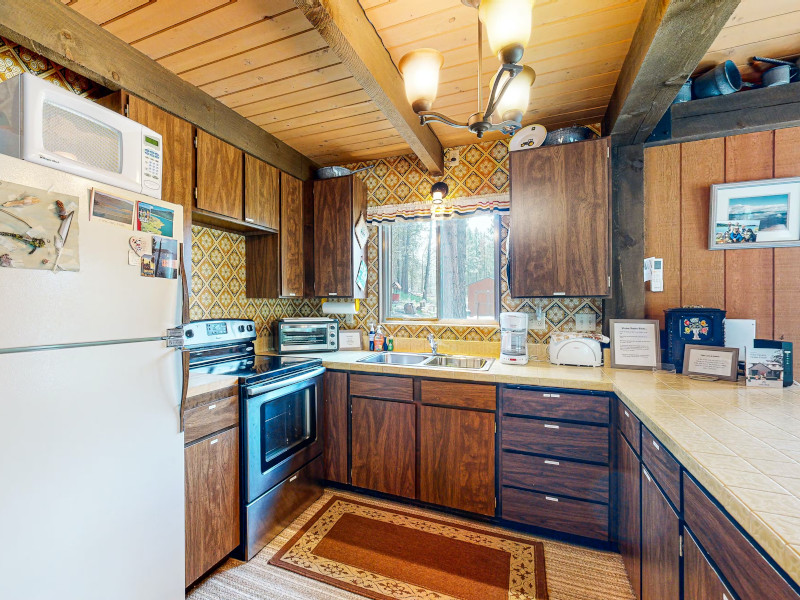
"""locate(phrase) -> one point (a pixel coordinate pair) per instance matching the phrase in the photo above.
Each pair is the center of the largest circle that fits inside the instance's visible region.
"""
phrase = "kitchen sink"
(396, 358)
(438, 361)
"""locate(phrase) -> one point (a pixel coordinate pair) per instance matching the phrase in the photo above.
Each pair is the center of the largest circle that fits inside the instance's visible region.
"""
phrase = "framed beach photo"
(755, 214)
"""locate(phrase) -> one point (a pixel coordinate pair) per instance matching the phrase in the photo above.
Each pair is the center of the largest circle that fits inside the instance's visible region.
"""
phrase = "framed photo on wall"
(755, 214)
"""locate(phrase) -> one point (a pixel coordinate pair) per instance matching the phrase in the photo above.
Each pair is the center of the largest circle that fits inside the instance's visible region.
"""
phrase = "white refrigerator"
(91, 453)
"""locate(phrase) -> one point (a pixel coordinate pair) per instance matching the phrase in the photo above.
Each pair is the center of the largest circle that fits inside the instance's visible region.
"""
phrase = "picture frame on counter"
(755, 214)
(635, 343)
(714, 362)
(350, 339)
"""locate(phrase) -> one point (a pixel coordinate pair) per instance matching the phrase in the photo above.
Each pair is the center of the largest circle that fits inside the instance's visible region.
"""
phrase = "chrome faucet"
(434, 344)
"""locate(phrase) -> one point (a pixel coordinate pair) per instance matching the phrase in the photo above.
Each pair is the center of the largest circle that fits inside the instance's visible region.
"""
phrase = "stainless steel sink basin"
(439, 361)
(396, 358)
(475, 363)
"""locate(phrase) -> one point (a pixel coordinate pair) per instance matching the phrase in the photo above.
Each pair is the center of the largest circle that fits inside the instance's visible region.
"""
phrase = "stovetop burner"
(259, 367)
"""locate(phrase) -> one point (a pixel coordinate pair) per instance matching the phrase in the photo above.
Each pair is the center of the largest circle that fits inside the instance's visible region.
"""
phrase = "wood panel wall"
(761, 284)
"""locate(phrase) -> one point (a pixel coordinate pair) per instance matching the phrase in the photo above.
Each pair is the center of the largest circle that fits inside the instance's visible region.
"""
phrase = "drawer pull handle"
(214, 442)
(212, 407)
(627, 414)
(552, 395)
(656, 446)
(646, 474)
(725, 596)
(551, 499)
(551, 426)
(292, 478)
(249, 220)
(552, 462)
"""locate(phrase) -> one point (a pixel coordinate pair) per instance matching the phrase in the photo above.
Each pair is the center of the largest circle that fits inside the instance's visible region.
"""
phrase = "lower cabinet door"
(660, 544)
(456, 450)
(700, 580)
(630, 519)
(212, 501)
(383, 446)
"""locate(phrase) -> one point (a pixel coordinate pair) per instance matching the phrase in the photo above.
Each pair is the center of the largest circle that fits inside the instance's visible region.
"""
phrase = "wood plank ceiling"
(263, 59)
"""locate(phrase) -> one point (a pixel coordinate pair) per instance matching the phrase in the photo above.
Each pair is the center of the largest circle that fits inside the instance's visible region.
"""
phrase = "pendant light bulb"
(420, 70)
(508, 25)
(514, 103)
(439, 190)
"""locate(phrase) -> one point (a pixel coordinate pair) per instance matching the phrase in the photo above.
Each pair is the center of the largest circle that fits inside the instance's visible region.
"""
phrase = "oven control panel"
(201, 333)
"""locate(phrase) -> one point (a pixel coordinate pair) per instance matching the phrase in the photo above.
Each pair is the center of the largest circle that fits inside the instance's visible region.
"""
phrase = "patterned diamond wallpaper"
(218, 280)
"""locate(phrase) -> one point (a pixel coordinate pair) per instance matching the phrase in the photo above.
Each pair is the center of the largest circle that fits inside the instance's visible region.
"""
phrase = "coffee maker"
(514, 338)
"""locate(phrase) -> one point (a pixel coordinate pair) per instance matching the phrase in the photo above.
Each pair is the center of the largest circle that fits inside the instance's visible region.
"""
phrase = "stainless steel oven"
(306, 335)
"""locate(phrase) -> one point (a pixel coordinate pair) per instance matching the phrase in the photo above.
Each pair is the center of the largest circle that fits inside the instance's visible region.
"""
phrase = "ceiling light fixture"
(439, 190)
(508, 26)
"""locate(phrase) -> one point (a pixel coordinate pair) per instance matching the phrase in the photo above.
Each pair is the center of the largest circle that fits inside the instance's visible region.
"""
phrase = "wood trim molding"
(63, 35)
(352, 37)
(670, 40)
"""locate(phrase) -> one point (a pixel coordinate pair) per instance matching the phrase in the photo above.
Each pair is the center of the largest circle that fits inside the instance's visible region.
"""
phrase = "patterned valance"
(467, 205)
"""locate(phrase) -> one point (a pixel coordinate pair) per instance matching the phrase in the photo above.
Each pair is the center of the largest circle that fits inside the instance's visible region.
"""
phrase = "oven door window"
(288, 424)
(304, 335)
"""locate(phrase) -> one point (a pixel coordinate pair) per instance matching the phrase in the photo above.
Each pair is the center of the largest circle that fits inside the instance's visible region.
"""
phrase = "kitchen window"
(440, 269)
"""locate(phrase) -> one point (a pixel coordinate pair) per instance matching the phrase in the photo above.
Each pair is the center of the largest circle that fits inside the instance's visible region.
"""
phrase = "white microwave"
(46, 124)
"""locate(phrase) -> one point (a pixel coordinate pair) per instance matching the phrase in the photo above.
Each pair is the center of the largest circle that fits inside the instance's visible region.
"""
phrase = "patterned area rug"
(389, 554)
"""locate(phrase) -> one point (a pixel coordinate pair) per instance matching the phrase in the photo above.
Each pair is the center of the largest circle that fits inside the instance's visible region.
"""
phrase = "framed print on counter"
(755, 214)
(713, 361)
(635, 343)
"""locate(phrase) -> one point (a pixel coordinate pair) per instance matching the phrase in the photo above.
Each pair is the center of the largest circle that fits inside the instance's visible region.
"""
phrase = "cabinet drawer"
(382, 386)
(555, 405)
(564, 440)
(209, 418)
(559, 514)
(664, 468)
(461, 395)
(629, 425)
(588, 482)
(740, 562)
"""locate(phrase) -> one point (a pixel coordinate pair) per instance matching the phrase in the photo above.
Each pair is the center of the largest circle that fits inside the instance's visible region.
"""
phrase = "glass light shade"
(420, 69)
(508, 25)
(514, 102)
(439, 190)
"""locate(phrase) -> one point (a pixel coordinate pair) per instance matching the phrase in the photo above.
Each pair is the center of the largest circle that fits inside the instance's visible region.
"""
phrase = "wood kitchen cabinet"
(338, 204)
(262, 193)
(177, 185)
(457, 456)
(559, 239)
(335, 432)
(211, 479)
(661, 553)
(700, 580)
(275, 263)
(383, 446)
(629, 512)
(219, 177)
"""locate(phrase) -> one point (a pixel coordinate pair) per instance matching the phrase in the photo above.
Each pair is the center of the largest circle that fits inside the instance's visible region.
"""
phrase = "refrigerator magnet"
(148, 266)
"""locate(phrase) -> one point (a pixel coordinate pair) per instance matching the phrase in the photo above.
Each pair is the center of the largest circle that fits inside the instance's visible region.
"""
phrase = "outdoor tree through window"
(440, 269)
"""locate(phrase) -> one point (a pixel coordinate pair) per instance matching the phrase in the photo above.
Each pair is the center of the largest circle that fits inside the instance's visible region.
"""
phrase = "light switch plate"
(584, 322)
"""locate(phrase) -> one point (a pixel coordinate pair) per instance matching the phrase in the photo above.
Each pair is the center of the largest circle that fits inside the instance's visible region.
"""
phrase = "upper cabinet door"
(291, 237)
(333, 237)
(261, 193)
(559, 241)
(219, 177)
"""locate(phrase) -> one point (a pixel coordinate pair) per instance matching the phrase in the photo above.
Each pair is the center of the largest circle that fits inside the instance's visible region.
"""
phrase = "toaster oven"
(306, 335)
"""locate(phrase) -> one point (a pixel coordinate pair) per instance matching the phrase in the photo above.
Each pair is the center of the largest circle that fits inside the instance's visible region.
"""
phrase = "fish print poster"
(38, 229)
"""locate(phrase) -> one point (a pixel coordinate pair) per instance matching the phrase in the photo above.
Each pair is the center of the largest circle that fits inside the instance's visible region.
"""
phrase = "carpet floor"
(573, 572)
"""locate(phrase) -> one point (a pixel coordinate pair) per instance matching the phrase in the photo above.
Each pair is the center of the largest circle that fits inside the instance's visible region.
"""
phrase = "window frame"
(384, 266)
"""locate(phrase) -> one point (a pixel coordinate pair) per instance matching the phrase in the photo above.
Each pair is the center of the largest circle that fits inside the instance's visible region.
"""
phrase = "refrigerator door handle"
(184, 386)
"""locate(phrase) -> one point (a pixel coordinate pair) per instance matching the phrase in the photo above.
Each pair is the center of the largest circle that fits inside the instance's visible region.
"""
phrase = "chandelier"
(508, 26)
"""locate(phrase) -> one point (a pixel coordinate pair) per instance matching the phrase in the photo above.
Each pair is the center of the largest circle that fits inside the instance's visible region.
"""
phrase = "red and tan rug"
(389, 554)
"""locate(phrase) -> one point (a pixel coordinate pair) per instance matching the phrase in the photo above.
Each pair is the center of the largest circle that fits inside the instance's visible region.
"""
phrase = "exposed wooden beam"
(68, 38)
(346, 29)
(745, 112)
(670, 40)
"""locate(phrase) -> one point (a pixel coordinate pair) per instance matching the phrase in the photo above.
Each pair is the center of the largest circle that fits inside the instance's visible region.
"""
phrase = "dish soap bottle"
(379, 339)
(372, 336)
(390, 343)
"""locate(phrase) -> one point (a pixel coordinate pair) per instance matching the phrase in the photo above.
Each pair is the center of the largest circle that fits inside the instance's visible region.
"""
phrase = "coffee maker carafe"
(514, 338)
